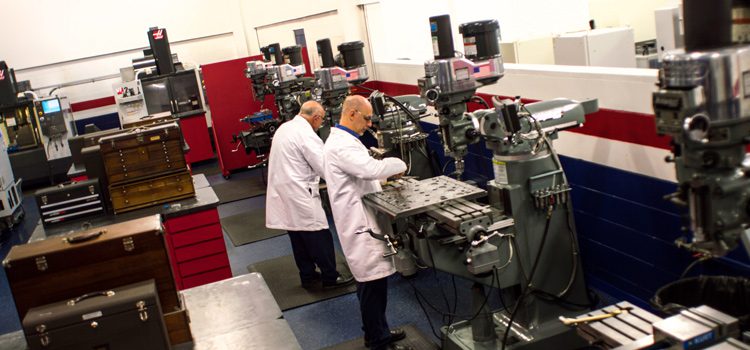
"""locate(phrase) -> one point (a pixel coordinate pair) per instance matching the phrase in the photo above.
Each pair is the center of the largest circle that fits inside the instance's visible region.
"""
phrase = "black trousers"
(311, 248)
(373, 297)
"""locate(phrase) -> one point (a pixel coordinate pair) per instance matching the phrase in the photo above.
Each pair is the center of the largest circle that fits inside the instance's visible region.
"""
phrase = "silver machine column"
(703, 103)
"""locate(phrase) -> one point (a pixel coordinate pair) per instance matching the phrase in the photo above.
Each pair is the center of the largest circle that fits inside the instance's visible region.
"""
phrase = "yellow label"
(155, 138)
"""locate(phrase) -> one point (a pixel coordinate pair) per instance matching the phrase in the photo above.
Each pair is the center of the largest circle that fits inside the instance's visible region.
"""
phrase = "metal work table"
(409, 197)
(236, 313)
(204, 199)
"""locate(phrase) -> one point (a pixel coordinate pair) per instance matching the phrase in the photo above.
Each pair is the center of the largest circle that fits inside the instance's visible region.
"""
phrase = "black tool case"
(69, 201)
(123, 318)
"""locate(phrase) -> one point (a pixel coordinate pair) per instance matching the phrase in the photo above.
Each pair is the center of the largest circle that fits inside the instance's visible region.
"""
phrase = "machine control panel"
(51, 118)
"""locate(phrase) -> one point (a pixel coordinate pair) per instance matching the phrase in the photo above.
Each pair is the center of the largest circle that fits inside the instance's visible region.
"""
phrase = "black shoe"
(340, 282)
(396, 335)
(311, 284)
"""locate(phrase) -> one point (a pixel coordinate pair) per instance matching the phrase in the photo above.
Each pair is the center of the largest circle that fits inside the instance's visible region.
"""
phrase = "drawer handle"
(108, 294)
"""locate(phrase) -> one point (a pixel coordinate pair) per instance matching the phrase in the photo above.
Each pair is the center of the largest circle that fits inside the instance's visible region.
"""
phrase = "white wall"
(404, 25)
(257, 14)
(638, 14)
(57, 42)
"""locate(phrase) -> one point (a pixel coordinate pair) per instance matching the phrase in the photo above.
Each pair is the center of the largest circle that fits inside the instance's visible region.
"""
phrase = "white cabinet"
(606, 47)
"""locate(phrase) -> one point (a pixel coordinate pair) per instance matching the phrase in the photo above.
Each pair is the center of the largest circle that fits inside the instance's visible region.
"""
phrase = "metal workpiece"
(409, 196)
(696, 328)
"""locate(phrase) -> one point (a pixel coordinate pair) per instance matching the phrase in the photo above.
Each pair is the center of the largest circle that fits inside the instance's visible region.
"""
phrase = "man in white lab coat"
(351, 173)
(293, 202)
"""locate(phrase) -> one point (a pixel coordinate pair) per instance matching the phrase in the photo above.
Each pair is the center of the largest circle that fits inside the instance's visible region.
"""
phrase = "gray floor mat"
(248, 227)
(282, 277)
(414, 338)
(240, 188)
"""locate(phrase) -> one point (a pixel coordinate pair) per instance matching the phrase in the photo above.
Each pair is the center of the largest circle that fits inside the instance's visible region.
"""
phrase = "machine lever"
(573, 321)
(384, 238)
(391, 246)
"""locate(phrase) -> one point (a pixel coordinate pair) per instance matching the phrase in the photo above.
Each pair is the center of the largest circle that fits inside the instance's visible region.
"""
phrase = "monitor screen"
(51, 106)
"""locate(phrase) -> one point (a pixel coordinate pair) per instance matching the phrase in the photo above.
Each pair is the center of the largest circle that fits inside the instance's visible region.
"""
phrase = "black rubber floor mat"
(414, 338)
(282, 277)
(248, 227)
(240, 188)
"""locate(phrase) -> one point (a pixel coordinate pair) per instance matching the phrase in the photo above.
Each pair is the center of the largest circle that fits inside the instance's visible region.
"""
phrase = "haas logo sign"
(158, 34)
(2, 74)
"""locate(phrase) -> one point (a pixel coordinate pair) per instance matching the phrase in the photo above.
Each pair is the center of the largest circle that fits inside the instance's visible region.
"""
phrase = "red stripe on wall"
(638, 128)
(91, 104)
(624, 126)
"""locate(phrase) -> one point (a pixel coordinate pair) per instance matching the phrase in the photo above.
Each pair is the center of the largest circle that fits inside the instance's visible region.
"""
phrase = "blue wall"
(625, 229)
(103, 122)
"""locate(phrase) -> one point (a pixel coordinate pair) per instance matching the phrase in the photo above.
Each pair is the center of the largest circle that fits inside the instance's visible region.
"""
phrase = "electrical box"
(606, 47)
(669, 35)
(528, 51)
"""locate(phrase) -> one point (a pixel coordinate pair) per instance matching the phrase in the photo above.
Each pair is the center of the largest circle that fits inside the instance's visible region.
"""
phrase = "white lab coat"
(351, 173)
(295, 166)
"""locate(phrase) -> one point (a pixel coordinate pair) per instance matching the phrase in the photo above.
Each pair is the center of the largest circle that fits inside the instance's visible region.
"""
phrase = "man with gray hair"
(293, 203)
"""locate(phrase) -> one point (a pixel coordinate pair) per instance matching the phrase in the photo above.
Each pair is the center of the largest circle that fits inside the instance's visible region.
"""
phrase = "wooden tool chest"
(145, 166)
(56, 269)
(142, 152)
(151, 191)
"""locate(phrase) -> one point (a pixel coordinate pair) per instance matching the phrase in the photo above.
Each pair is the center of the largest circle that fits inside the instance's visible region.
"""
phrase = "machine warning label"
(501, 172)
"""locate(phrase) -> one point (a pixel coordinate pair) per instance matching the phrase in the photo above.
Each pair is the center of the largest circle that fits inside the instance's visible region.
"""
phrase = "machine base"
(549, 335)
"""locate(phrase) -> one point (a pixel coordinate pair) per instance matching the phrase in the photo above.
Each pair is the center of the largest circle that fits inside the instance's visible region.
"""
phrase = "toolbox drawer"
(185, 222)
(208, 263)
(199, 250)
(196, 235)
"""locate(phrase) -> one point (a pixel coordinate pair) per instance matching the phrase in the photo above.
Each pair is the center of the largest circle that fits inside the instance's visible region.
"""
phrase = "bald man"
(351, 173)
(293, 203)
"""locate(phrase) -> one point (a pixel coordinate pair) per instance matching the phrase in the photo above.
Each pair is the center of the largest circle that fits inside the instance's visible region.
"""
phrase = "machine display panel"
(51, 106)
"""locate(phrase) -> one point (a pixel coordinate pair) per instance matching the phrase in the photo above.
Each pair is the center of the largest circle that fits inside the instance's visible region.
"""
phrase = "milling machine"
(280, 73)
(524, 241)
(333, 79)
(36, 129)
(11, 197)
